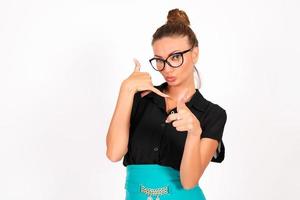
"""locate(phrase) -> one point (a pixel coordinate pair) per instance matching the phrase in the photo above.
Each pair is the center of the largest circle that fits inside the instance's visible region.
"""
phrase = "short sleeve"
(213, 127)
(135, 103)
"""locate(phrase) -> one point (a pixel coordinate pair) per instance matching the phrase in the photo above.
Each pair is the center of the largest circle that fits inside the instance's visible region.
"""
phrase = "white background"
(61, 65)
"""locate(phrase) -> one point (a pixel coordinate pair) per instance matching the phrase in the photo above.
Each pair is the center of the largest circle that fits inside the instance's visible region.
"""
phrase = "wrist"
(195, 132)
(126, 87)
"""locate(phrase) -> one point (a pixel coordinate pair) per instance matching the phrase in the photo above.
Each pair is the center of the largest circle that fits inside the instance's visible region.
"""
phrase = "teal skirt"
(157, 182)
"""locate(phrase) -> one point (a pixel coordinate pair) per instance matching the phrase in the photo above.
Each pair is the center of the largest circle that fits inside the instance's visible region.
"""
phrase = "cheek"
(188, 60)
(187, 67)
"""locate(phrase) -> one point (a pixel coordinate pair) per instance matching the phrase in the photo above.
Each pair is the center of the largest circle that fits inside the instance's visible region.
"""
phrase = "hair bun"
(176, 15)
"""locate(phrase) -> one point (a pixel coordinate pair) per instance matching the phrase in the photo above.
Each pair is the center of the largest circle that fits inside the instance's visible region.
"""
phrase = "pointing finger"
(182, 99)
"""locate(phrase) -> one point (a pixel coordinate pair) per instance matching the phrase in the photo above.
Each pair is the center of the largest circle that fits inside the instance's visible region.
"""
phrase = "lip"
(170, 78)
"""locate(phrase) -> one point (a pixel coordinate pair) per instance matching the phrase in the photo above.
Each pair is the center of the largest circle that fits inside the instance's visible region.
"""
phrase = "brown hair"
(178, 24)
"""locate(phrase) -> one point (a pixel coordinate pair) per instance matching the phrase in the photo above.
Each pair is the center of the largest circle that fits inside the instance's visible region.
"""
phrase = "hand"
(141, 81)
(184, 119)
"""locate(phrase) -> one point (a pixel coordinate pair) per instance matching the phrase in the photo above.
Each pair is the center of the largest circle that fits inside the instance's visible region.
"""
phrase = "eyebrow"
(168, 55)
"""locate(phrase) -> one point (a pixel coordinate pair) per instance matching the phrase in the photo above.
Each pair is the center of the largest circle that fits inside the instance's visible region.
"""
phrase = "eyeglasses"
(174, 60)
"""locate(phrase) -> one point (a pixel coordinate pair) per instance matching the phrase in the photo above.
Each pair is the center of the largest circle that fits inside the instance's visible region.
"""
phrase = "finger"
(181, 111)
(157, 91)
(182, 99)
(172, 117)
(181, 128)
(144, 93)
(177, 123)
(137, 67)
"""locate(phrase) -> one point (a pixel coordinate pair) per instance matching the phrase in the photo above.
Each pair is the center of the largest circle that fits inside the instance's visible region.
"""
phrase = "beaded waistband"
(152, 179)
(154, 191)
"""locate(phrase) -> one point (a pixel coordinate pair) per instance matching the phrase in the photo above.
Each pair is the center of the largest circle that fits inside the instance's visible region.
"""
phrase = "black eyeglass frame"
(166, 60)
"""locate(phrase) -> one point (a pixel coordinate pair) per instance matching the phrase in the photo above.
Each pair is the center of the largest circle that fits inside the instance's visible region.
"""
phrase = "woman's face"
(165, 46)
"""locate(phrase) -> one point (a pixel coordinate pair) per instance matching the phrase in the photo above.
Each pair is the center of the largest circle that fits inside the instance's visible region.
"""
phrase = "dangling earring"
(199, 82)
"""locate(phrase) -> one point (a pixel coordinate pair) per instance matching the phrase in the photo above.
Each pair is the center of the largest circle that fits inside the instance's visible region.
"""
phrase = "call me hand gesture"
(141, 81)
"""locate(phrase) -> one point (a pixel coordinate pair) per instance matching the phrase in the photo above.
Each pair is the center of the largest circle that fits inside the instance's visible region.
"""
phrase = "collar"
(197, 101)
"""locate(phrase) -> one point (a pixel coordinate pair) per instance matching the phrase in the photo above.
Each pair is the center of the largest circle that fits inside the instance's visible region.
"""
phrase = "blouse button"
(155, 149)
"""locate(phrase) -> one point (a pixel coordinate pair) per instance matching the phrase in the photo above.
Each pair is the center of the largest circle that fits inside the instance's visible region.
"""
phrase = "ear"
(195, 54)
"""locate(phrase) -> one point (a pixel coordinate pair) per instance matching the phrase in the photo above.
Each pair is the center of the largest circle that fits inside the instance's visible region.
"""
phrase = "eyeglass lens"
(174, 60)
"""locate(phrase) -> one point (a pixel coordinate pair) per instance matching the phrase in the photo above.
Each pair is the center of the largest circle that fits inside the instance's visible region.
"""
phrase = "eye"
(159, 61)
(175, 57)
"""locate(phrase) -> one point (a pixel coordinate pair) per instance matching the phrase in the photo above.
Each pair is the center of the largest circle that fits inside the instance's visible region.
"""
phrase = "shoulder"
(214, 108)
(214, 111)
(213, 122)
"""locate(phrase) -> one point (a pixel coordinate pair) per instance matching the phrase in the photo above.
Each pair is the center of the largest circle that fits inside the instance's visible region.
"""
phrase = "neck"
(174, 91)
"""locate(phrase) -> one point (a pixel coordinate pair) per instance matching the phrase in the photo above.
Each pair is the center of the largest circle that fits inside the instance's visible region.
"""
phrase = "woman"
(169, 133)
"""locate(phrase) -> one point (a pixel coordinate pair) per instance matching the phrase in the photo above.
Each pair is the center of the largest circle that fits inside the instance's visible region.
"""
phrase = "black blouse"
(152, 141)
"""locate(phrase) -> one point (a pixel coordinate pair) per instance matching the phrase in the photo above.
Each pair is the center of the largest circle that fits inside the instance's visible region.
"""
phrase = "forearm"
(190, 168)
(118, 132)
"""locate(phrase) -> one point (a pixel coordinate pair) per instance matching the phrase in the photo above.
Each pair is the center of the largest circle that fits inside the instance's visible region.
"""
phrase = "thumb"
(137, 65)
(182, 99)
